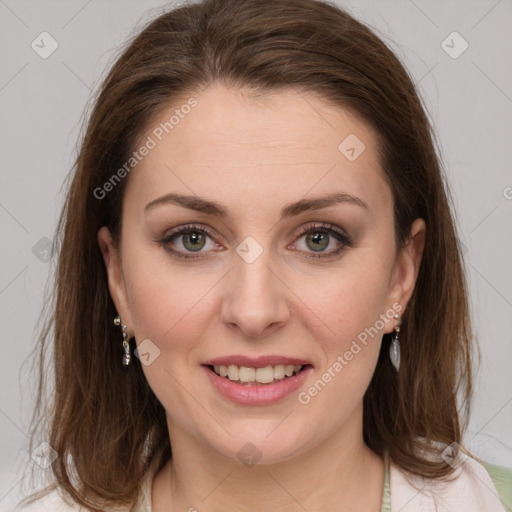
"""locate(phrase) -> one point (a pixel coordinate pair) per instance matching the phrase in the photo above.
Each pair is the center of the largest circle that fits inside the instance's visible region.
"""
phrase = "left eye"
(318, 238)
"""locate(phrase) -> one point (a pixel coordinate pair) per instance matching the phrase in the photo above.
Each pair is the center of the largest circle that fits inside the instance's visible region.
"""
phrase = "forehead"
(234, 145)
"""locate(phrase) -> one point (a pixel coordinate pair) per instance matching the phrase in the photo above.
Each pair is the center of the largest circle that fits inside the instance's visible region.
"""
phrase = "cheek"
(356, 316)
(353, 313)
(168, 302)
(356, 309)
(351, 300)
(170, 308)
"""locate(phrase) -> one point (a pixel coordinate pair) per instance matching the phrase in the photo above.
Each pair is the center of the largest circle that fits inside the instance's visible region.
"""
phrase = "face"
(252, 282)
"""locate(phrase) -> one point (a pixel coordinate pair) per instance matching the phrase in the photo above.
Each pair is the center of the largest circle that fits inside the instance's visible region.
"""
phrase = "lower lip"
(260, 394)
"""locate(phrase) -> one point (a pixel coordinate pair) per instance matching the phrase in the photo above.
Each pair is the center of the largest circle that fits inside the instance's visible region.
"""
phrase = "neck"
(341, 473)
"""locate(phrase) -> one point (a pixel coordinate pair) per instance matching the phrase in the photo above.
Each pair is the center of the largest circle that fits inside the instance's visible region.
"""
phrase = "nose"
(255, 300)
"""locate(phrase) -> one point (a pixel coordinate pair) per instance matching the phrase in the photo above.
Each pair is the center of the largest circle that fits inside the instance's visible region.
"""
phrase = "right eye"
(193, 239)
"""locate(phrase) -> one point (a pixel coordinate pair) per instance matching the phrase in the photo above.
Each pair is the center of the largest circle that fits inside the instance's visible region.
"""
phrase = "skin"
(254, 156)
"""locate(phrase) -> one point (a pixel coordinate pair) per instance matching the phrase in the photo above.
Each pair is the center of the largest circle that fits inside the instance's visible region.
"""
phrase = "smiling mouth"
(250, 376)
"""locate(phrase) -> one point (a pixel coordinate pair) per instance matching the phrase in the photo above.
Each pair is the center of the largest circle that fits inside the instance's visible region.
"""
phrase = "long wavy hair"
(105, 424)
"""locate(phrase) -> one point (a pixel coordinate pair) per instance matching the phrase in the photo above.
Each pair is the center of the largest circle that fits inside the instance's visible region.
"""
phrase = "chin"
(267, 447)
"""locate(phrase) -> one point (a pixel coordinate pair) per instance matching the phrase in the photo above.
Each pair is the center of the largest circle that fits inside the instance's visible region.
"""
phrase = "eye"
(318, 237)
(193, 240)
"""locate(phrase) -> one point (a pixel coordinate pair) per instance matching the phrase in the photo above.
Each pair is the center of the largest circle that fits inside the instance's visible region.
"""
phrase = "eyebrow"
(290, 210)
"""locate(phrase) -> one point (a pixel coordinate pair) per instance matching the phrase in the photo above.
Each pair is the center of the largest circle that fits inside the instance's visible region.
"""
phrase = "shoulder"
(471, 488)
(52, 502)
(502, 480)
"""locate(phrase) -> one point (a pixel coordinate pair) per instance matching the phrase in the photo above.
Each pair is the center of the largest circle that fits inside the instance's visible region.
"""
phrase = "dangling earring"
(126, 345)
(394, 348)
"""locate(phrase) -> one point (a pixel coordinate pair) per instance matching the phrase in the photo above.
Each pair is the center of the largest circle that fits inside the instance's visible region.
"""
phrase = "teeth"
(233, 372)
(280, 371)
(246, 374)
(264, 375)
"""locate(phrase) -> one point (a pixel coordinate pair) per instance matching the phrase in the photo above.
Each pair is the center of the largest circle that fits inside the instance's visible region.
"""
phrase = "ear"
(116, 283)
(407, 265)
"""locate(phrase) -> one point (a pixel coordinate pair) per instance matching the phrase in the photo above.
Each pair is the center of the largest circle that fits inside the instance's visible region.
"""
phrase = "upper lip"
(255, 362)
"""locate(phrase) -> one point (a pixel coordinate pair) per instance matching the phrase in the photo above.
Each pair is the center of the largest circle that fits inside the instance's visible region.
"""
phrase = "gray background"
(42, 102)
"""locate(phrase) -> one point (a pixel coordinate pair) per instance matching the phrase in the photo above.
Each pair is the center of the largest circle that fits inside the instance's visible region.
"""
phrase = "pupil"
(318, 238)
(194, 238)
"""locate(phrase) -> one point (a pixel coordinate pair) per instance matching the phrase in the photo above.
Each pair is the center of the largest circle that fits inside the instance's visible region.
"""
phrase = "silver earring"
(126, 345)
(394, 348)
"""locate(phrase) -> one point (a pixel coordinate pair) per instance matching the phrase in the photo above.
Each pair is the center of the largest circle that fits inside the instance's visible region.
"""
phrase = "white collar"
(469, 489)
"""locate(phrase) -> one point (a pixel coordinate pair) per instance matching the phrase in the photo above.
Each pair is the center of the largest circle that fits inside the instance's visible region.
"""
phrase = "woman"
(260, 302)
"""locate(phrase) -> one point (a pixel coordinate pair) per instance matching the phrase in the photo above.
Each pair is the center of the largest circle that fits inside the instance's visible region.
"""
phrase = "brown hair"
(106, 424)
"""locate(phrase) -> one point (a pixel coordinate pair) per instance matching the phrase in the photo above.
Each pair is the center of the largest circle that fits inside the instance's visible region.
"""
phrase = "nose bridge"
(255, 298)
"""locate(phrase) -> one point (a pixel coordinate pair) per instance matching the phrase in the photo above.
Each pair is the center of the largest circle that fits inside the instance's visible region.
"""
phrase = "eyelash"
(328, 229)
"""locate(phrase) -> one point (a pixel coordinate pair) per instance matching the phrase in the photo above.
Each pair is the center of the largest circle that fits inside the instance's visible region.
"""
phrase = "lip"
(259, 394)
(256, 362)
